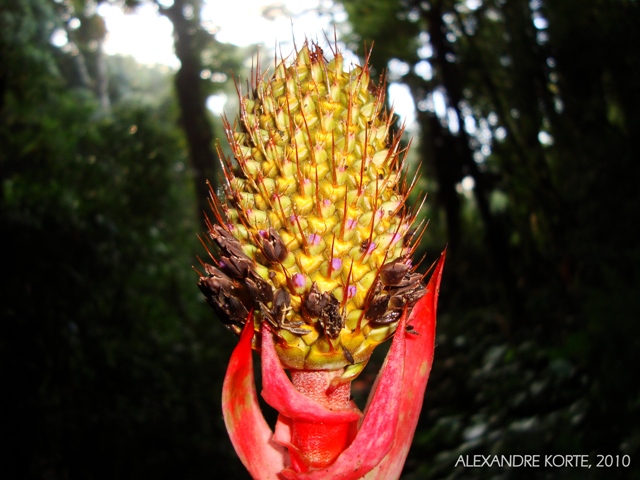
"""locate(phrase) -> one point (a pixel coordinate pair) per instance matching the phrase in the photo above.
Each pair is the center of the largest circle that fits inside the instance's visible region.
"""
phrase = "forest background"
(526, 113)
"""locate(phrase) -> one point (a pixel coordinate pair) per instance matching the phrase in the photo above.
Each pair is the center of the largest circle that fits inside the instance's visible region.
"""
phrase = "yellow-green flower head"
(313, 234)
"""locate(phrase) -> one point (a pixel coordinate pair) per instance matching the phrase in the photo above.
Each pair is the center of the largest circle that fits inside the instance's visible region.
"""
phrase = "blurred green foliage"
(538, 332)
(111, 363)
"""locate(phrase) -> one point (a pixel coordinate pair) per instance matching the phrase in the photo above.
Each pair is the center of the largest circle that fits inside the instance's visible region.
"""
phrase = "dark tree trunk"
(460, 153)
(185, 17)
(437, 149)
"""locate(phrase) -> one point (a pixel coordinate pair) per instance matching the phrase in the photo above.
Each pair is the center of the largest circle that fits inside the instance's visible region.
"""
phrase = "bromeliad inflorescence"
(314, 244)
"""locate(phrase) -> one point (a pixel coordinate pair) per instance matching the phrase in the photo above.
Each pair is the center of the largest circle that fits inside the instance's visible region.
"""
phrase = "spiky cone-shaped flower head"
(312, 267)
(314, 235)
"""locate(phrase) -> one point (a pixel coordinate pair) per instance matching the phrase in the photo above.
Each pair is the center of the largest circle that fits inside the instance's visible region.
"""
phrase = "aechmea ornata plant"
(312, 268)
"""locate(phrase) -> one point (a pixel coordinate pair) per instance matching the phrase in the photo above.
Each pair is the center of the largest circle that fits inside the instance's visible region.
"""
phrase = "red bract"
(322, 435)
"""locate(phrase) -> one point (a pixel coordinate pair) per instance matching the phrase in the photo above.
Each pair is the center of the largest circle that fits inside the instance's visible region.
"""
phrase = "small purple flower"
(299, 281)
(371, 247)
(314, 239)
